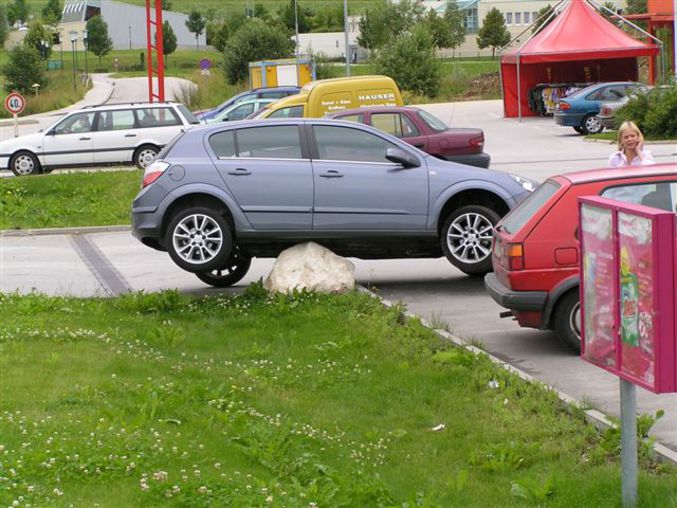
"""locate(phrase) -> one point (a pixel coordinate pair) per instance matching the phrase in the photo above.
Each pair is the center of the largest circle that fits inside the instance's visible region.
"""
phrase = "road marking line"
(110, 279)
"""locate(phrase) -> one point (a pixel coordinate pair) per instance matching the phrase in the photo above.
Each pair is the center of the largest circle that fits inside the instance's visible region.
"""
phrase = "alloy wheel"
(469, 237)
(197, 239)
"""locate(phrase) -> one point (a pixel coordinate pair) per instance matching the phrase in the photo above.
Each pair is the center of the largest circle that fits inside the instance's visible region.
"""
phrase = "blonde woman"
(630, 148)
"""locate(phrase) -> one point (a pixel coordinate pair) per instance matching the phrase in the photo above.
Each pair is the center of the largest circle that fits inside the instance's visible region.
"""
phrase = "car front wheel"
(24, 164)
(567, 321)
(199, 240)
(466, 238)
(237, 267)
(591, 125)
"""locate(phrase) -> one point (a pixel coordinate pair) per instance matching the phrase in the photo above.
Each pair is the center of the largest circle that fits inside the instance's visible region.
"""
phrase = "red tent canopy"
(579, 45)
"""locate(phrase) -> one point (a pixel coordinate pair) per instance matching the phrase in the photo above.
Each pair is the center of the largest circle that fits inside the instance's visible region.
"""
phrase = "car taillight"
(153, 171)
(515, 255)
(563, 106)
(477, 141)
(605, 110)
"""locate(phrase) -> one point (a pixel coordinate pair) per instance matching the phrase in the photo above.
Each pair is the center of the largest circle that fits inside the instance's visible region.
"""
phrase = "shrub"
(411, 60)
(24, 67)
(655, 113)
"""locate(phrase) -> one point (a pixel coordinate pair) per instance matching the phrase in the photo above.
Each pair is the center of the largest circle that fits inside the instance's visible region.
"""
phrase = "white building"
(126, 23)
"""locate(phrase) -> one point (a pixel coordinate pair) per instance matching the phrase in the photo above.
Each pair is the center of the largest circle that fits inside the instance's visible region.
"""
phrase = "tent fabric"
(579, 33)
(579, 45)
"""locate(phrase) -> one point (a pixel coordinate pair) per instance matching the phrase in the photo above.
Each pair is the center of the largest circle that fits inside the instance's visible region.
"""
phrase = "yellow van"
(323, 96)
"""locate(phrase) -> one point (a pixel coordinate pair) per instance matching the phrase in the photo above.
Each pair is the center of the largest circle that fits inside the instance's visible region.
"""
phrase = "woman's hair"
(628, 126)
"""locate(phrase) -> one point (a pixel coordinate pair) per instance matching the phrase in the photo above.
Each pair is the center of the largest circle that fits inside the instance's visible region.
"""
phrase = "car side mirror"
(403, 157)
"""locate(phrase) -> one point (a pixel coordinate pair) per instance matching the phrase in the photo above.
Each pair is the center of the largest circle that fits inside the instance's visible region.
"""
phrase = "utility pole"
(296, 23)
(345, 30)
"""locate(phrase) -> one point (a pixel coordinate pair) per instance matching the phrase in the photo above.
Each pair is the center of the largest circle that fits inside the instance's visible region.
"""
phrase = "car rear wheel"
(144, 155)
(567, 321)
(237, 267)
(199, 240)
(466, 238)
(591, 124)
(24, 164)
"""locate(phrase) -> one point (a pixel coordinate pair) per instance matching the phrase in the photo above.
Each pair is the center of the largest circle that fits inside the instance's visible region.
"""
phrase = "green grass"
(612, 136)
(302, 400)
(72, 199)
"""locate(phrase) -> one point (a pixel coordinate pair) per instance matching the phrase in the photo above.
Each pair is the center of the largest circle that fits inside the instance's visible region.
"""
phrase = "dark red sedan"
(425, 131)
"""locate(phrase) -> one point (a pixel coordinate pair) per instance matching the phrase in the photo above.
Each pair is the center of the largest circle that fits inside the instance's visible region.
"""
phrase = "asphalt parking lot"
(108, 263)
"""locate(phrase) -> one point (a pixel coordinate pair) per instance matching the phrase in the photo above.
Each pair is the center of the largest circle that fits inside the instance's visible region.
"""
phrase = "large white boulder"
(313, 267)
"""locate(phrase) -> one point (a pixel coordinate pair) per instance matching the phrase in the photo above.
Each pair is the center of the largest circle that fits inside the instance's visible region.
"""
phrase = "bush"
(655, 113)
(411, 60)
(24, 68)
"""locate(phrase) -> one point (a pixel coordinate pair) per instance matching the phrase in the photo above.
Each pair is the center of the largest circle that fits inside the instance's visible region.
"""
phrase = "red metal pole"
(159, 48)
(149, 57)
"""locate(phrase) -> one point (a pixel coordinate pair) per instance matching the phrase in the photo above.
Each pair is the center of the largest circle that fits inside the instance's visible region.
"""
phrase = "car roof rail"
(146, 103)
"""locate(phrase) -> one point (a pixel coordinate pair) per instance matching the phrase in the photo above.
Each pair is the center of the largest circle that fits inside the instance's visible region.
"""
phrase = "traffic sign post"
(15, 104)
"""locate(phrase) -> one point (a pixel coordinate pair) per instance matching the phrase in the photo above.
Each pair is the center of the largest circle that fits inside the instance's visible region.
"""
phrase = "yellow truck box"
(323, 96)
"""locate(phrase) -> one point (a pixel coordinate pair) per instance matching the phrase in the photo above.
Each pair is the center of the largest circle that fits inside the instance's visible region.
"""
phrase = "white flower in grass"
(493, 384)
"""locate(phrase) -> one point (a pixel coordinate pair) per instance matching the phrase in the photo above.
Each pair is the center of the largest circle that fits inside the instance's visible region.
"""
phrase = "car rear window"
(433, 122)
(190, 117)
(519, 216)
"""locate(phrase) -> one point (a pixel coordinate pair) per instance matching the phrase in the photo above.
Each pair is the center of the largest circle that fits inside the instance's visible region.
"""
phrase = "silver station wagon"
(220, 195)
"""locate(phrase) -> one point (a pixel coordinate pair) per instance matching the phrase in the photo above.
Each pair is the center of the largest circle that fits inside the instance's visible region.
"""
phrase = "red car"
(424, 131)
(535, 253)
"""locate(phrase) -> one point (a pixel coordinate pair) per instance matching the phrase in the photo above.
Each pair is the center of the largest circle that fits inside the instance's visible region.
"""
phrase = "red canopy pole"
(149, 58)
(159, 49)
(519, 90)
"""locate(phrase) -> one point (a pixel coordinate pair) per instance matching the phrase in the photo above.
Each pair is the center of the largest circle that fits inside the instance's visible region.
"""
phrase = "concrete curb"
(82, 230)
(613, 141)
(7, 123)
(596, 418)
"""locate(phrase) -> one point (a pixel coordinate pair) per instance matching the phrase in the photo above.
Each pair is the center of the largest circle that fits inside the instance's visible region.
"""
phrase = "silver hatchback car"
(217, 196)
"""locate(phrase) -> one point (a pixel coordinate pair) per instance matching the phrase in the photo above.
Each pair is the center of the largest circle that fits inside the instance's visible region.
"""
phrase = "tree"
(438, 28)
(4, 29)
(166, 5)
(24, 67)
(454, 18)
(40, 39)
(254, 40)
(293, 12)
(388, 20)
(608, 15)
(168, 39)
(329, 19)
(411, 59)
(260, 11)
(18, 11)
(636, 7)
(543, 18)
(196, 24)
(98, 41)
(51, 13)
(493, 33)
(218, 33)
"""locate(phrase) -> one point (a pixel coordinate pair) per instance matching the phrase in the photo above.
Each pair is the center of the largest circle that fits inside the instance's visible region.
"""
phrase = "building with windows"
(126, 23)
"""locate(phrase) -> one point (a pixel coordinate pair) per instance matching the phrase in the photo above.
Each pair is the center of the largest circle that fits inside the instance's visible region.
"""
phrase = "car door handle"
(332, 173)
(419, 145)
(239, 172)
(130, 135)
(85, 139)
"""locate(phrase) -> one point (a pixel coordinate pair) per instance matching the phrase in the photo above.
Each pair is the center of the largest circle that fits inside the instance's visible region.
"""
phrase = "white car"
(131, 133)
(240, 110)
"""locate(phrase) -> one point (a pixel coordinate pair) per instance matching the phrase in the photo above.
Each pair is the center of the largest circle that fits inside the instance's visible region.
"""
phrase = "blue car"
(580, 109)
(277, 92)
(220, 195)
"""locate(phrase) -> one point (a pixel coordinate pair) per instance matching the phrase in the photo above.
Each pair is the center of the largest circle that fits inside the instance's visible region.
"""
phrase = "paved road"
(103, 264)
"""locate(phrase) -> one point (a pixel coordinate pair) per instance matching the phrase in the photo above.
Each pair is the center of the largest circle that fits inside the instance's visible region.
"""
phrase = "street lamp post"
(44, 47)
(74, 40)
(84, 42)
(61, 47)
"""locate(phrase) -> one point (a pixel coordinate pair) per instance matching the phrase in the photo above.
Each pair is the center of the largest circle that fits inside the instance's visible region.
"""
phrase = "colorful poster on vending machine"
(637, 308)
(599, 296)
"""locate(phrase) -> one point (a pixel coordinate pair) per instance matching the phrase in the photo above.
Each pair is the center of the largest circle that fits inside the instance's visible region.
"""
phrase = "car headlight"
(529, 185)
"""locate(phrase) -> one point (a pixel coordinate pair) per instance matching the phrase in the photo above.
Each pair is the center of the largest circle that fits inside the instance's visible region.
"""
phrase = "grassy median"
(67, 200)
(302, 400)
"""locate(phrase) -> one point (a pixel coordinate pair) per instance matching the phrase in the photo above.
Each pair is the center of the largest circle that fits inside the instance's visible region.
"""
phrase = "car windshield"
(432, 121)
(519, 216)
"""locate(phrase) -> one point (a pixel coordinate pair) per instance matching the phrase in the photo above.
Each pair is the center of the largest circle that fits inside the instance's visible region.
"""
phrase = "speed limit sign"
(15, 103)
